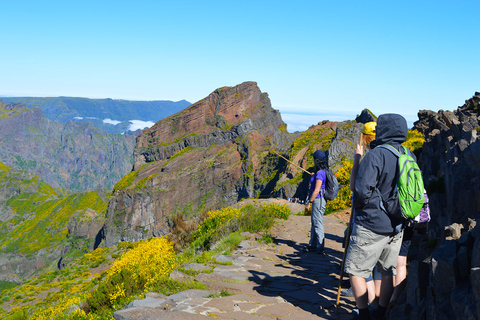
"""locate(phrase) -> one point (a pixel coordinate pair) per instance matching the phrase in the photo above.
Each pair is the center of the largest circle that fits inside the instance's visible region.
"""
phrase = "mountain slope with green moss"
(41, 225)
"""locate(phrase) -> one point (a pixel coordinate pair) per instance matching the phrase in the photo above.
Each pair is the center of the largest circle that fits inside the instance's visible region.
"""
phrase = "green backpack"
(410, 186)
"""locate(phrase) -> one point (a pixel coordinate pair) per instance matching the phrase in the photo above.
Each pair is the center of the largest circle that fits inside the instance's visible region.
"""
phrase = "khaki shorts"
(367, 249)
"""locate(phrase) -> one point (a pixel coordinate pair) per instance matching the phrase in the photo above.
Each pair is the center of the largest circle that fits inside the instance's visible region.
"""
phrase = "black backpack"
(331, 185)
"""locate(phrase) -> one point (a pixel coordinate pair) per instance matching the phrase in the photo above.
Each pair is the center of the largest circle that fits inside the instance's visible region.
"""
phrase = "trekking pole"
(292, 162)
(347, 241)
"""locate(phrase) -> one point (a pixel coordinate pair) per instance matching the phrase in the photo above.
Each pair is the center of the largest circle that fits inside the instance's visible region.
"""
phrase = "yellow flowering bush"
(94, 258)
(138, 270)
(221, 223)
(279, 211)
(342, 200)
(150, 260)
(215, 219)
(59, 308)
(415, 140)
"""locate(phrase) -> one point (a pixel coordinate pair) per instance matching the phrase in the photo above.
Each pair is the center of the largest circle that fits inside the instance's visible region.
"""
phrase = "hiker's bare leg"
(400, 278)
(371, 291)
(359, 289)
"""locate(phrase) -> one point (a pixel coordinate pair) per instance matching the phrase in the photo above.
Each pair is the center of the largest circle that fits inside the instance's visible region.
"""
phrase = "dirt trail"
(268, 281)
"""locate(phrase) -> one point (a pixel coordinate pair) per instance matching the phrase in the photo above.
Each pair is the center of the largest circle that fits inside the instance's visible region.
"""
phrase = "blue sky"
(317, 60)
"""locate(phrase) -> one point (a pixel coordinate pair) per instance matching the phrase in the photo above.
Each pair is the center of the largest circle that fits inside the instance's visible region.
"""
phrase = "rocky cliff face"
(75, 156)
(450, 162)
(211, 154)
(446, 283)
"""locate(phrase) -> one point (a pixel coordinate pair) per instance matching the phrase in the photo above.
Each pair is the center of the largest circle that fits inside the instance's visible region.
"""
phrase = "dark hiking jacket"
(376, 177)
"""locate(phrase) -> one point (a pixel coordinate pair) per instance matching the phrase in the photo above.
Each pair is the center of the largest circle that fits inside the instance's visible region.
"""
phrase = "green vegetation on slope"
(35, 217)
(10, 113)
(132, 269)
(40, 221)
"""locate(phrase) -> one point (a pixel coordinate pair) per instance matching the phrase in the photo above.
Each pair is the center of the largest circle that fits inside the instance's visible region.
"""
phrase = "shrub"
(139, 269)
(19, 315)
(227, 244)
(221, 223)
(342, 200)
(414, 141)
(95, 258)
(126, 181)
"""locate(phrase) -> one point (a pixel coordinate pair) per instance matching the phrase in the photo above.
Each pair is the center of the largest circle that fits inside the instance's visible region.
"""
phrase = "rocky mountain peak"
(473, 103)
(221, 117)
(207, 156)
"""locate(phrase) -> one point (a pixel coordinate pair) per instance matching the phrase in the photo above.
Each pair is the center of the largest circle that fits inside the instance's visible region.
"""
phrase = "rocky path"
(265, 281)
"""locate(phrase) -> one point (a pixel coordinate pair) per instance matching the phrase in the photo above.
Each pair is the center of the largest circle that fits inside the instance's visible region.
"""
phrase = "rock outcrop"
(205, 157)
(445, 284)
(450, 162)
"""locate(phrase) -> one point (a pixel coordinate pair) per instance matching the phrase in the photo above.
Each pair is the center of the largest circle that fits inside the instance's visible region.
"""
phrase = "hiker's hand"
(307, 207)
(359, 149)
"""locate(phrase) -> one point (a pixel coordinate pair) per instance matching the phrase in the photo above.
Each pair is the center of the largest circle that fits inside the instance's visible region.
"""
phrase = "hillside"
(95, 111)
(75, 156)
(34, 224)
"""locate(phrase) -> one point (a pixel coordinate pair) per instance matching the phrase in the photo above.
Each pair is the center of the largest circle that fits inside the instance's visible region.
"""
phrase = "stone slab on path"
(268, 281)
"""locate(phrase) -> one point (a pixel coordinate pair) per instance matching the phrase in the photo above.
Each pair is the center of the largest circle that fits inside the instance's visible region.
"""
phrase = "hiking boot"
(355, 313)
(309, 249)
(347, 292)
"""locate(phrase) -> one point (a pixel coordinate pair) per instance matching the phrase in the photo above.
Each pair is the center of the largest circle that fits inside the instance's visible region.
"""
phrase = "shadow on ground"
(312, 281)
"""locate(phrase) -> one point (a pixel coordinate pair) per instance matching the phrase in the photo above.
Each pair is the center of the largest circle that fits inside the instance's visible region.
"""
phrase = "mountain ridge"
(74, 155)
(97, 110)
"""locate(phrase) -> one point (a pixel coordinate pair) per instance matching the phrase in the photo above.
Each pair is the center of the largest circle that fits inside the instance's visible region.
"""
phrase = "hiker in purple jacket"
(317, 202)
(376, 236)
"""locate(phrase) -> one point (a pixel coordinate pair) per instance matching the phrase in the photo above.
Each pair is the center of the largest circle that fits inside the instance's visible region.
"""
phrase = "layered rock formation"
(207, 156)
(75, 156)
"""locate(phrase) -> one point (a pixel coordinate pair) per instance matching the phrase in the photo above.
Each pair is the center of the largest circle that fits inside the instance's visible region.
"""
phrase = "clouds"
(110, 121)
(139, 124)
(134, 124)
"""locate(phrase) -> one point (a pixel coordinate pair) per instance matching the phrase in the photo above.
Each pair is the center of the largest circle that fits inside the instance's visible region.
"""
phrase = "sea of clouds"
(134, 124)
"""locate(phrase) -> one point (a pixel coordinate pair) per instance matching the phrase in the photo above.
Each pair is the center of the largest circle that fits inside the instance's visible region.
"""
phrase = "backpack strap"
(391, 148)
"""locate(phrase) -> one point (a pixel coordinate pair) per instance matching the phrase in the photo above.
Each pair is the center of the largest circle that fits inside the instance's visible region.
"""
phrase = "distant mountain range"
(75, 156)
(117, 113)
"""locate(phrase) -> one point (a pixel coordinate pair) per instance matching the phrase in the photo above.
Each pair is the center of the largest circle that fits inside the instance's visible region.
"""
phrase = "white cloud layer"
(139, 124)
(110, 121)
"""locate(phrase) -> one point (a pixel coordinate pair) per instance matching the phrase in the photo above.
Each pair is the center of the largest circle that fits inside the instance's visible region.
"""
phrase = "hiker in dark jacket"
(376, 236)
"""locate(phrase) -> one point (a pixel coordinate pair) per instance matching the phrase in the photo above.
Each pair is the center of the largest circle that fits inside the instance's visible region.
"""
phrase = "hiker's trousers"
(317, 232)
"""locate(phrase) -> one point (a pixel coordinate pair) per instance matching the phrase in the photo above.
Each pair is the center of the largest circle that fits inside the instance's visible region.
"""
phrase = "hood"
(391, 128)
